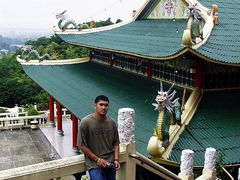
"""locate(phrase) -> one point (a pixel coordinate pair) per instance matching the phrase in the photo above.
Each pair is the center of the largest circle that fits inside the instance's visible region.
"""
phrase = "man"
(99, 141)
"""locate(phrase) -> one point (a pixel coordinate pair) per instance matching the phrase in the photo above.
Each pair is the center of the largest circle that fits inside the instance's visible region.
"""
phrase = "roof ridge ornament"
(200, 24)
(28, 52)
(64, 23)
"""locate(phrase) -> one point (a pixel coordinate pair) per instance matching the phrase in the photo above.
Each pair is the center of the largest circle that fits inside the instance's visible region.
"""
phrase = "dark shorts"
(102, 174)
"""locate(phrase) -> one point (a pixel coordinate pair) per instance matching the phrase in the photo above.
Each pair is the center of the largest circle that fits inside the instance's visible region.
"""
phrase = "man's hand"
(117, 164)
(102, 163)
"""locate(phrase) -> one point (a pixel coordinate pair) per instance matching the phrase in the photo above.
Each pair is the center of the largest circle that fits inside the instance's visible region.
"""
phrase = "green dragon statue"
(197, 22)
(64, 24)
(28, 53)
(169, 114)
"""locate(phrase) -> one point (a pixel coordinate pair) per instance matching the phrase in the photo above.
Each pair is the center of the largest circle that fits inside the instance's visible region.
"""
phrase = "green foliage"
(42, 100)
(31, 111)
(118, 21)
(54, 45)
(2, 110)
(220, 162)
(15, 86)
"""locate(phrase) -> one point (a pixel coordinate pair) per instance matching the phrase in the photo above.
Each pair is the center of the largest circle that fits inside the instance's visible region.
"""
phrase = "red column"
(59, 119)
(111, 59)
(199, 74)
(51, 112)
(149, 69)
(74, 134)
(91, 54)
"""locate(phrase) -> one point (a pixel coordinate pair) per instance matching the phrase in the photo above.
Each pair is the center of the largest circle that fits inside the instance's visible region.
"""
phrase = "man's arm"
(116, 156)
(100, 162)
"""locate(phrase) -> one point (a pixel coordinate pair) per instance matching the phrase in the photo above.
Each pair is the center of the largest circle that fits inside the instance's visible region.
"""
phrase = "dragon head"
(165, 99)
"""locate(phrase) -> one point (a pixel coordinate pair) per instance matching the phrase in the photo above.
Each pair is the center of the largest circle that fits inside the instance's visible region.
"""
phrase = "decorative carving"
(169, 114)
(64, 24)
(126, 126)
(200, 24)
(210, 162)
(28, 52)
(187, 160)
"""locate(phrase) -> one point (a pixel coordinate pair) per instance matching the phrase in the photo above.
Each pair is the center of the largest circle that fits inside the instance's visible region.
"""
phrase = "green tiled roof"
(148, 38)
(76, 86)
(224, 42)
(215, 124)
(163, 38)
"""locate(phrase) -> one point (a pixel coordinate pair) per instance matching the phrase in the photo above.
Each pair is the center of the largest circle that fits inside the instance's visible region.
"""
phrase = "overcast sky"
(40, 15)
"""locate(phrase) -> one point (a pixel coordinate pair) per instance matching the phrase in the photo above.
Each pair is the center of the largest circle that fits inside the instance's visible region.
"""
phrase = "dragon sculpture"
(64, 24)
(197, 22)
(28, 52)
(169, 114)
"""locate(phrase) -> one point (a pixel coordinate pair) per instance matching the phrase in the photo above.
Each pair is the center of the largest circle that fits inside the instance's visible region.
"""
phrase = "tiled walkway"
(62, 144)
(24, 147)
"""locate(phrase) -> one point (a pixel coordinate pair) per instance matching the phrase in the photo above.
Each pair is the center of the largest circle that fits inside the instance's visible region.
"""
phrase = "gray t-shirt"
(99, 136)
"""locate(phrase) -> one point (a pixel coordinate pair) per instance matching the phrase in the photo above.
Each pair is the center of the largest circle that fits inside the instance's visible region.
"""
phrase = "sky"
(25, 16)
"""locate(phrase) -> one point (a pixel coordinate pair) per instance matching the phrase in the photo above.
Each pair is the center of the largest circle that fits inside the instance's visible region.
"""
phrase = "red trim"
(199, 74)
(149, 69)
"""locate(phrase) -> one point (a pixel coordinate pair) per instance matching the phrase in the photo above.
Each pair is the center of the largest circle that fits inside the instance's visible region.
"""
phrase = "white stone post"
(126, 126)
(210, 162)
(239, 174)
(186, 168)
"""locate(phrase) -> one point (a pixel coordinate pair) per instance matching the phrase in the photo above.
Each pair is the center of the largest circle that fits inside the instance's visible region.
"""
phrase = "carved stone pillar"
(210, 162)
(126, 119)
(186, 168)
(239, 174)
(126, 126)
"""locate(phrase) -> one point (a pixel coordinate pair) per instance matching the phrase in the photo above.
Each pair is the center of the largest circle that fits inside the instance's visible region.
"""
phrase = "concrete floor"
(24, 147)
(62, 144)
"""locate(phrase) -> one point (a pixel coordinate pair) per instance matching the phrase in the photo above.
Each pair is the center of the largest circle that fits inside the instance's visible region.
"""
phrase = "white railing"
(21, 121)
(63, 167)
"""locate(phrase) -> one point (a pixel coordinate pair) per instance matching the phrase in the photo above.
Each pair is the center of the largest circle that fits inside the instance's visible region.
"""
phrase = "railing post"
(210, 163)
(126, 118)
(186, 168)
(239, 174)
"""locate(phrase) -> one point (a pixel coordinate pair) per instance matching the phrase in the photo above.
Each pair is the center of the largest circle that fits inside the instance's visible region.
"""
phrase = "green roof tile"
(149, 38)
(215, 124)
(76, 86)
(224, 42)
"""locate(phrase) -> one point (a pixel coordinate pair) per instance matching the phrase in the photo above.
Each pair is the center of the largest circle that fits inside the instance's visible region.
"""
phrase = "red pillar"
(51, 112)
(74, 134)
(111, 59)
(199, 74)
(59, 118)
(149, 69)
(91, 54)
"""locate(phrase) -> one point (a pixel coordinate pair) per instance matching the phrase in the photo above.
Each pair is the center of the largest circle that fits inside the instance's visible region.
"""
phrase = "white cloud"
(24, 15)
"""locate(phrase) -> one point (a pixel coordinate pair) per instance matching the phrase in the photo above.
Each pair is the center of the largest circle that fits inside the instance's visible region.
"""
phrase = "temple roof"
(145, 38)
(224, 42)
(162, 38)
(215, 124)
(76, 86)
